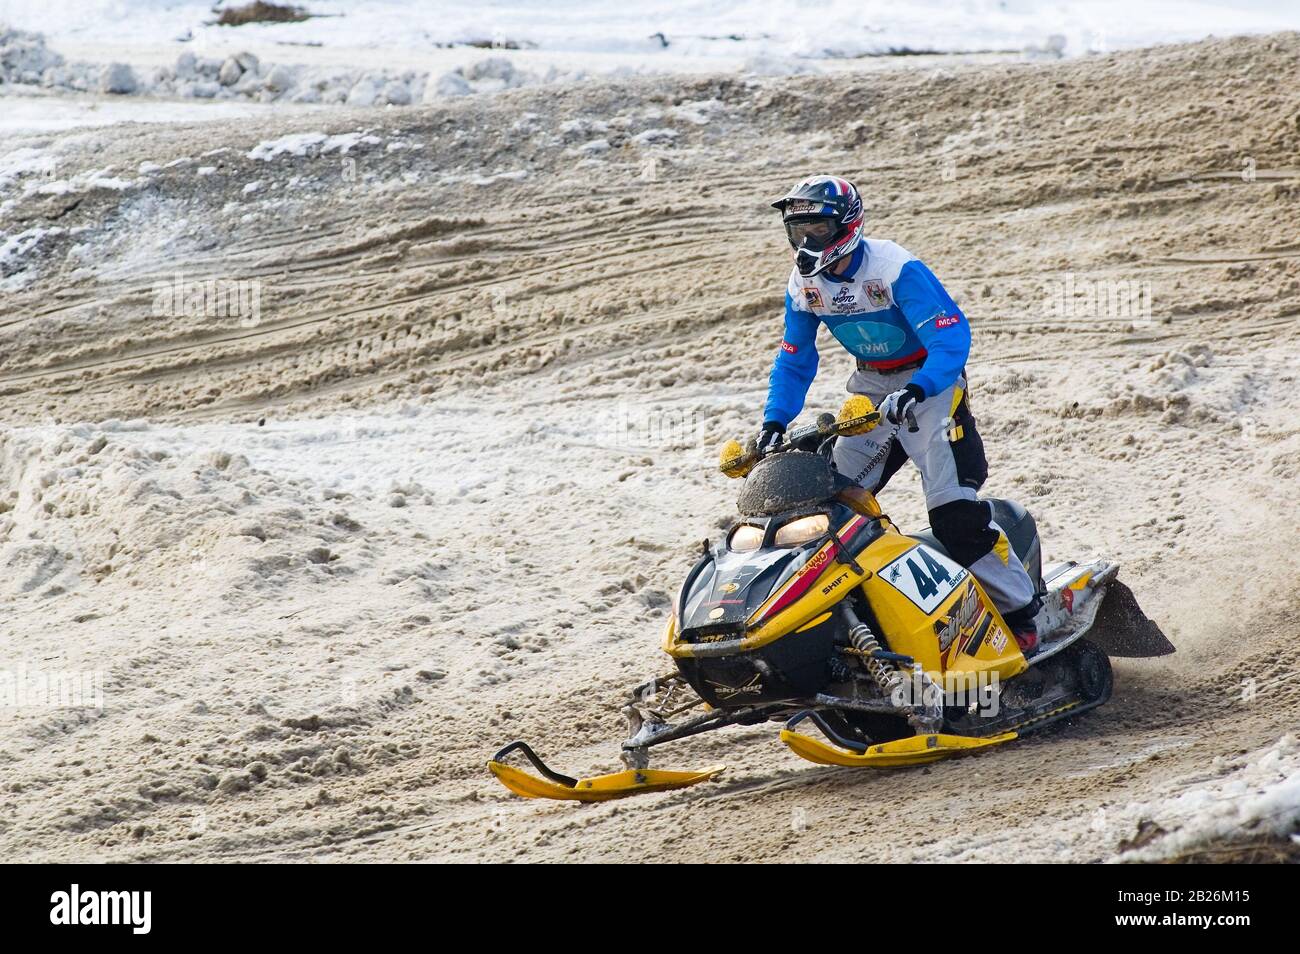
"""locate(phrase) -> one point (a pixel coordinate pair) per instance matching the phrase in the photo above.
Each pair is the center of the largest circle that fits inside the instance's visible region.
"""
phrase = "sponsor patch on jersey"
(876, 293)
(812, 297)
(845, 300)
(789, 348)
(945, 321)
(870, 339)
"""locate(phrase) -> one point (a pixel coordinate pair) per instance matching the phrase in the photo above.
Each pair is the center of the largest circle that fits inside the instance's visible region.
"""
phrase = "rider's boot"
(1023, 627)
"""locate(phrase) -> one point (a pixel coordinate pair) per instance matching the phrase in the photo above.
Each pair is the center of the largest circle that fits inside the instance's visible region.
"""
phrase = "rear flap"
(1122, 629)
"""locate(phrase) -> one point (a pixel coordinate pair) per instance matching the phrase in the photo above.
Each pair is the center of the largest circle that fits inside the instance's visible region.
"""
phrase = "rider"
(911, 342)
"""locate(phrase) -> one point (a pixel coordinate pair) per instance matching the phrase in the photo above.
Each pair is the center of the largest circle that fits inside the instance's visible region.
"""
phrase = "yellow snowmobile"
(818, 612)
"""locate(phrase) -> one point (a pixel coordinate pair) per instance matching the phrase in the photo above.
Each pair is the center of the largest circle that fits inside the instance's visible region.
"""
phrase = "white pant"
(949, 452)
(863, 458)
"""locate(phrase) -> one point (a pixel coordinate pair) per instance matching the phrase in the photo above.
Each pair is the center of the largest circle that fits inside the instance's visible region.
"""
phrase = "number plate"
(924, 576)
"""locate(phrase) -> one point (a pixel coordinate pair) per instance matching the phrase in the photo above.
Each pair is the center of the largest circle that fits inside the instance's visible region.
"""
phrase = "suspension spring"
(866, 643)
(926, 717)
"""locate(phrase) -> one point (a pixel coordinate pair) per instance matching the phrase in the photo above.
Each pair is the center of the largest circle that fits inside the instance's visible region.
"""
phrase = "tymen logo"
(868, 339)
(103, 907)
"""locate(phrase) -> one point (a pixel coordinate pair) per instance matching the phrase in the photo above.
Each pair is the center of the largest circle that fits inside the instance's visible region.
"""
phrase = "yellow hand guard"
(857, 416)
(734, 460)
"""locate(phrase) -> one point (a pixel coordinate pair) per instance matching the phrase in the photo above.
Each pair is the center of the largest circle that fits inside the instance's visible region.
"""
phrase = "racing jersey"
(887, 310)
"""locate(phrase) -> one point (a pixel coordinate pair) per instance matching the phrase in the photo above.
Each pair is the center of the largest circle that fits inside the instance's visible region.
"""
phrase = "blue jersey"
(887, 310)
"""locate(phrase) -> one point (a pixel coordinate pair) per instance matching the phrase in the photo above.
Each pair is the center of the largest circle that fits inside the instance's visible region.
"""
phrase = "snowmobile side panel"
(600, 788)
(932, 609)
(914, 750)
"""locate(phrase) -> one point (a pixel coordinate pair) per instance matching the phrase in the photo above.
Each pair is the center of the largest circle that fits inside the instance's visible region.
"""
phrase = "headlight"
(802, 530)
(746, 537)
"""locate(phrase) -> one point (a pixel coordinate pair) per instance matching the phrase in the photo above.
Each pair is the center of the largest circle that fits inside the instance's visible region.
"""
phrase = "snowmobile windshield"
(814, 233)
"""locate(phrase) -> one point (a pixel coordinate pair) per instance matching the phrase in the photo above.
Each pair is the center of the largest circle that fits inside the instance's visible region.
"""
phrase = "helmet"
(823, 221)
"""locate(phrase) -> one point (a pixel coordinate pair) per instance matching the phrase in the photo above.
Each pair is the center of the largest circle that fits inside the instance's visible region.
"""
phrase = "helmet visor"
(813, 233)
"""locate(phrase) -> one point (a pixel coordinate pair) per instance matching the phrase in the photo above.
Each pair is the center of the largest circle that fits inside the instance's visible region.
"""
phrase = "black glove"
(895, 405)
(769, 437)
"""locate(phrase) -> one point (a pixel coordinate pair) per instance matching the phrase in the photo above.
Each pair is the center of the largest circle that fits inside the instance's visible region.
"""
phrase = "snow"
(50, 113)
(1258, 798)
(24, 161)
(163, 60)
(353, 453)
(670, 29)
(13, 248)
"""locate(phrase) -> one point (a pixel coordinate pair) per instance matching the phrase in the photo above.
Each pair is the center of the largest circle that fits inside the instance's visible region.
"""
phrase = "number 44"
(929, 577)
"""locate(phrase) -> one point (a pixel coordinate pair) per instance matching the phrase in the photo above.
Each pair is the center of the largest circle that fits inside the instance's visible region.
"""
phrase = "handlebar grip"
(912, 426)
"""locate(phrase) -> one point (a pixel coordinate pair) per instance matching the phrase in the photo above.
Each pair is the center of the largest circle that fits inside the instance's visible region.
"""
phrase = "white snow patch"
(24, 162)
(652, 137)
(1259, 798)
(316, 143)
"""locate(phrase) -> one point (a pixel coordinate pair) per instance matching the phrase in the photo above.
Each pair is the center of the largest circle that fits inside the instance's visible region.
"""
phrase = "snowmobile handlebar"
(857, 416)
(910, 417)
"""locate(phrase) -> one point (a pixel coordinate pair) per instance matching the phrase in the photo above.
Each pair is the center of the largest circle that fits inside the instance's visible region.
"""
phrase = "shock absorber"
(925, 717)
(864, 641)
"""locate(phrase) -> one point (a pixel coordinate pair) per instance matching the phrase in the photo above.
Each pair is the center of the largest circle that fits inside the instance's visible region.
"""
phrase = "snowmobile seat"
(1018, 524)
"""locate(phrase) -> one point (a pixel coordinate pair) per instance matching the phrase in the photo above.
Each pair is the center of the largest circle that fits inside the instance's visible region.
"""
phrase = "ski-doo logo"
(75, 906)
(751, 688)
(961, 620)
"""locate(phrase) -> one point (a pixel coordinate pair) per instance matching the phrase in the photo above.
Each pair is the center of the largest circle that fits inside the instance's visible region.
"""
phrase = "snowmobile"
(818, 612)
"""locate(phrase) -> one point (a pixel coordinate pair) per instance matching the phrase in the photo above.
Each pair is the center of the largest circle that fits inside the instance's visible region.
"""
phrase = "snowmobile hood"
(731, 588)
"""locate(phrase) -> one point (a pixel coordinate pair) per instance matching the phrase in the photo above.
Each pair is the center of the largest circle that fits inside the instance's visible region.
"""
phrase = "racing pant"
(948, 451)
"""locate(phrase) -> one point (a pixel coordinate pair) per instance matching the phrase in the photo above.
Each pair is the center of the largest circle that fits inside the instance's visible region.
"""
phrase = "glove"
(769, 437)
(895, 406)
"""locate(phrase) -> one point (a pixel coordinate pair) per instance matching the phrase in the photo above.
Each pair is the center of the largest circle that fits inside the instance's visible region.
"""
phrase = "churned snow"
(300, 144)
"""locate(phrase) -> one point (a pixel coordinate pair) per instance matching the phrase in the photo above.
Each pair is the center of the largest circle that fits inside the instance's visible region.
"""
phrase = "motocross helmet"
(823, 221)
